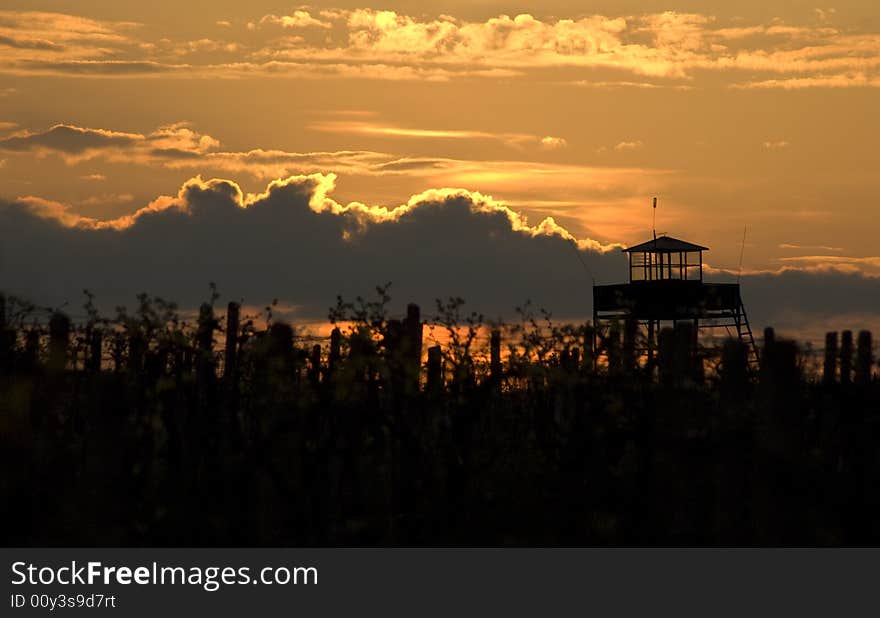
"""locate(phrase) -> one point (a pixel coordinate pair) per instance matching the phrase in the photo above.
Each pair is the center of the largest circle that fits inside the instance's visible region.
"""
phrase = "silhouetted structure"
(666, 285)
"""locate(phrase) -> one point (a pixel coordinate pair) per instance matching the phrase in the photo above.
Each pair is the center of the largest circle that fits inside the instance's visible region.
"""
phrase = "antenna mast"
(654, 221)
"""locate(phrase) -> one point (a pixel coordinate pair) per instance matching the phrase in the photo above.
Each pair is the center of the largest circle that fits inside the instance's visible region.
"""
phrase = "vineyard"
(150, 429)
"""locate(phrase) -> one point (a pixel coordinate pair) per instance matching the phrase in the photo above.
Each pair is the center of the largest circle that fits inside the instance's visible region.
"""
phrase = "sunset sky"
(757, 114)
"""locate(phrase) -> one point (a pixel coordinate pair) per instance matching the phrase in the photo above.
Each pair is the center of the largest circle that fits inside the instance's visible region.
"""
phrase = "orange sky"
(762, 114)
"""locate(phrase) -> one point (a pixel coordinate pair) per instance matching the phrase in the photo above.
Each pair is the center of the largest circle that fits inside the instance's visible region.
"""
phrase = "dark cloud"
(812, 300)
(69, 139)
(443, 243)
(296, 244)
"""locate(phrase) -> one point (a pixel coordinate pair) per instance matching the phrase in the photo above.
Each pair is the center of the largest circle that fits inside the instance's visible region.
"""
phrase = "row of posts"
(839, 358)
(845, 360)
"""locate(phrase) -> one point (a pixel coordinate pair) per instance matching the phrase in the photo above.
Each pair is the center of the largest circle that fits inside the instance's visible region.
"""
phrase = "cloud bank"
(657, 49)
(295, 243)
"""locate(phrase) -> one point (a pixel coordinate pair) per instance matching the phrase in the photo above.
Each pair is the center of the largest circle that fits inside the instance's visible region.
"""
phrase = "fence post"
(846, 357)
(829, 369)
(59, 335)
(281, 343)
(230, 359)
(32, 348)
(117, 352)
(96, 351)
(205, 354)
(435, 370)
(864, 357)
(136, 349)
(588, 364)
(205, 333)
(335, 354)
(495, 356)
(315, 366)
(412, 348)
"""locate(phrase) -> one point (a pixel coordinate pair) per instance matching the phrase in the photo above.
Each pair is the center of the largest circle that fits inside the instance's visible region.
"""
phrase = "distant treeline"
(143, 429)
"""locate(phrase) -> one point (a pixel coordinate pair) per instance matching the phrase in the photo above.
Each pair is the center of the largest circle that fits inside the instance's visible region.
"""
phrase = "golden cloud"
(671, 47)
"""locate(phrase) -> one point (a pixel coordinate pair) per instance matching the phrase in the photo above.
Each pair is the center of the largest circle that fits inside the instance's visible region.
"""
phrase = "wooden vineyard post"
(32, 348)
(96, 351)
(495, 356)
(864, 357)
(846, 357)
(829, 368)
(315, 366)
(411, 354)
(435, 370)
(335, 354)
(589, 357)
(205, 355)
(59, 336)
(230, 358)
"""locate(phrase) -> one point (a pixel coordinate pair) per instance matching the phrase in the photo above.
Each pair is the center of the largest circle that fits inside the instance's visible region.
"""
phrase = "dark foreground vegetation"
(146, 430)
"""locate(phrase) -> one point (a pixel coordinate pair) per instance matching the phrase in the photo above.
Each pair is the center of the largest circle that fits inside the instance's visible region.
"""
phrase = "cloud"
(843, 80)
(600, 200)
(107, 198)
(790, 246)
(377, 129)
(70, 140)
(825, 15)
(669, 49)
(76, 144)
(776, 145)
(629, 146)
(181, 147)
(553, 143)
(295, 242)
(835, 263)
(298, 19)
(619, 84)
(24, 43)
(41, 36)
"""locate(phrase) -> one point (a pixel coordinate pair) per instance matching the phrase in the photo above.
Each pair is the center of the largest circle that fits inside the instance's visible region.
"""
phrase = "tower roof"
(665, 244)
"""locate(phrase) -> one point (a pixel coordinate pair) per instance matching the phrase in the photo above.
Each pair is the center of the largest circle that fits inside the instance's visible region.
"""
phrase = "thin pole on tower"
(654, 221)
(653, 254)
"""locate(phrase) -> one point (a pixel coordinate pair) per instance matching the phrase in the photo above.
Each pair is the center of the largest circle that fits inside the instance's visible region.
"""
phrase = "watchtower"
(666, 285)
